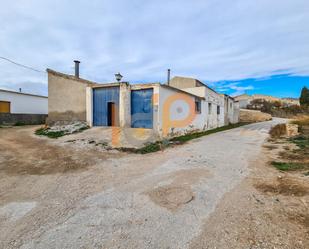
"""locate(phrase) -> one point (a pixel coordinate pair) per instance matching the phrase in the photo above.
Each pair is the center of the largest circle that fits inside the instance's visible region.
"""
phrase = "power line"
(21, 65)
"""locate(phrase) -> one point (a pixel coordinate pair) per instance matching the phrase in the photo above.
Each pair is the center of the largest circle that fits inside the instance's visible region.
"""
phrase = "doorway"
(111, 114)
(106, 106)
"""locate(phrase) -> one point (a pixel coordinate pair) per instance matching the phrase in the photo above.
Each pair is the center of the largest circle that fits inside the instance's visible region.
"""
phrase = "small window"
(197, 106)
(231, 105)
(209, 108)
(218, 110)
(5, 107)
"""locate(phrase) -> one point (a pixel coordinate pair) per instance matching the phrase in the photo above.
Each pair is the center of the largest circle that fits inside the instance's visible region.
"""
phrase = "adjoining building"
(221, 109)
(166, 109)
(22, 108)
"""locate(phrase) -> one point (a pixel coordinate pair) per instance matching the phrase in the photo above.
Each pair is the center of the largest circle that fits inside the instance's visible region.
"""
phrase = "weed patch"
(301, 141)
(149, 148)
(19, 123)
(59, 131)
(284, 187)
(190, 136)
(289, 166)
(48, 133)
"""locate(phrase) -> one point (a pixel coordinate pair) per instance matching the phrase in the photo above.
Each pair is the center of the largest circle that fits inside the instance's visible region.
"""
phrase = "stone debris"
(70, 128)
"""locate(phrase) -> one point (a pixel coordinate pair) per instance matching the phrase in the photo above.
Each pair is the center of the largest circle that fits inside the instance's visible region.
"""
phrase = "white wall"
(25, 104)
(236, 112)
(213, 120)
(173, 111)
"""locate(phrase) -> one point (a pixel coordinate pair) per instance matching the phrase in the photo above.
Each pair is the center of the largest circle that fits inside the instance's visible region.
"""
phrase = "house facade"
(219, 109)
(166, 110)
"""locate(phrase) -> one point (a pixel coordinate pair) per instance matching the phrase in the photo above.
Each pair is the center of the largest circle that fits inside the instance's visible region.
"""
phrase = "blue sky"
(234, 46)
(279, 85)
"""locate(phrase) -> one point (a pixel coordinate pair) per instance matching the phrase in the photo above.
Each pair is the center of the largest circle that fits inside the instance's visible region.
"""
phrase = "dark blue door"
(103, 98)
(141, 108)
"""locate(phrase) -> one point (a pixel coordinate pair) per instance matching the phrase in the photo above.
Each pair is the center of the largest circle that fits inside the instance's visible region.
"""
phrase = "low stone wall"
(22, 119)
(253, 116)
(291, 130)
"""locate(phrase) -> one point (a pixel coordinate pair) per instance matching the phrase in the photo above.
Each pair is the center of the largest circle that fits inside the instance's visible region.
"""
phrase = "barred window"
(197, 106)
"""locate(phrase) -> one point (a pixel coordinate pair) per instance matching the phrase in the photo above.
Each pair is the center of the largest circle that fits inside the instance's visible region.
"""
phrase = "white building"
(219, 109)
(22, 103)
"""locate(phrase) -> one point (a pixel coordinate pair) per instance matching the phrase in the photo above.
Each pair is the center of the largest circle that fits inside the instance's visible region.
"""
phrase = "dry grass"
(278, 131)
(301, 120)
(270, 146)
(285, 187)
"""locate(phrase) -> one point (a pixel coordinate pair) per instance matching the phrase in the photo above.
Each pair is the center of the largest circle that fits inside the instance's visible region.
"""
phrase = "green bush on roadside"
(289, 166)
(50, 134)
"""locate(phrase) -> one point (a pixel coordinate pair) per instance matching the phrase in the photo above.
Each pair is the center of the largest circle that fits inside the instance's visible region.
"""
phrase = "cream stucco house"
(184, 105)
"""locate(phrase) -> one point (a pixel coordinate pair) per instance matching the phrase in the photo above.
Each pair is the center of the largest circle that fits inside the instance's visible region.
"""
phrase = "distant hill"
(245, 99)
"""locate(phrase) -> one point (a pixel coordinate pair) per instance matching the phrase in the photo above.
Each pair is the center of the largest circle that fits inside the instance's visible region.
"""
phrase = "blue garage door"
(102, 100)
(141, 108)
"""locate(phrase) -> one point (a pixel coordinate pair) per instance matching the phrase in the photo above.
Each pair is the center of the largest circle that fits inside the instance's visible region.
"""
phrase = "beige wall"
(125, 105)
(66, 98)
(183, 82)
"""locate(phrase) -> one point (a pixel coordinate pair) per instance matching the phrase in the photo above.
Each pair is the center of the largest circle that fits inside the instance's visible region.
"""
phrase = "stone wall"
(22, 119)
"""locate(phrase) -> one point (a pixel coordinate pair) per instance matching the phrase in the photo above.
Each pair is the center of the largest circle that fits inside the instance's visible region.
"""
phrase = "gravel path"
(117, 200)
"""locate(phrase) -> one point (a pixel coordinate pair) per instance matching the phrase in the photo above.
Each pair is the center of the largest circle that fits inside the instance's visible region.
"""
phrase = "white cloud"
(235, 88)
(210, 40)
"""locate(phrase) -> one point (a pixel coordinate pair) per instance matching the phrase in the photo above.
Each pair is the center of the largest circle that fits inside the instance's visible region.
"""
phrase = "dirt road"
(56, 195)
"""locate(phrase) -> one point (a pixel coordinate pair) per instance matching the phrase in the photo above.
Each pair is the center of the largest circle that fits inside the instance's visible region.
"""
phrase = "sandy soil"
(214, 192)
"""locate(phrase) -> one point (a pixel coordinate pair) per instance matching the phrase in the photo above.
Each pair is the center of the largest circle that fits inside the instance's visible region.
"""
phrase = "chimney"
(76, 68)
(168, 76)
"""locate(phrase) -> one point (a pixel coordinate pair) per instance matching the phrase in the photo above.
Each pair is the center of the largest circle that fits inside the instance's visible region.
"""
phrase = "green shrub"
(286, 166)
(48, 133)
(19, 123)
(149, 148)
(304, 97)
